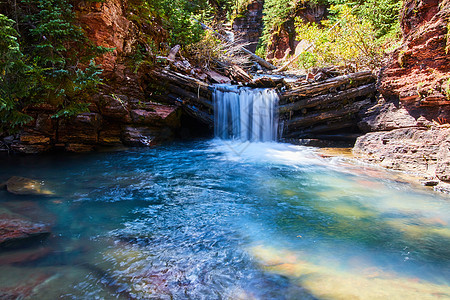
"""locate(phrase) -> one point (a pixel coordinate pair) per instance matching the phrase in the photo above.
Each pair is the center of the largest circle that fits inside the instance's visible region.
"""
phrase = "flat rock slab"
(23, 283)
(16, 231)
(25, 186)
(24, 256)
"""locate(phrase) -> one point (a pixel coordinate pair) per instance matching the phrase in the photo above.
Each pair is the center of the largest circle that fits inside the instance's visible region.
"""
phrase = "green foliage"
(239, 6)
(206, 52)
(13, 75)
(447, 89)
(447, 47)
(51, 63)
(276, 12)
(59, 49)
(350, 43)
(383, 15)
(178, 17)
(181, 16)
(72, 109)
(261, 49)
(307, 60)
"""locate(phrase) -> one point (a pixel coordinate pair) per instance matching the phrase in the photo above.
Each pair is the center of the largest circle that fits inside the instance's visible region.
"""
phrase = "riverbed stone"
(24, 255)
(17, 231)
(25, 186)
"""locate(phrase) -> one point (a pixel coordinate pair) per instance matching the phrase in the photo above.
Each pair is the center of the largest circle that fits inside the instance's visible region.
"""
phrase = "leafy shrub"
(62, 56)
(276, 12)
(350, 43)
(383, 15)
(177, 17)
(206, 52)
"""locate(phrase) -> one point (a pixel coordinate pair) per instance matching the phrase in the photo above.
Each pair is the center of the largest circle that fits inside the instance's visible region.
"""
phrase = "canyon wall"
(248, 26)
(122, 112)
(283, 40)
(408, 129)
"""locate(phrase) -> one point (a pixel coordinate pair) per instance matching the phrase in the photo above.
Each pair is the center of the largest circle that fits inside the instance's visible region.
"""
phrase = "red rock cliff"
(408, 128)
(122, 112)
(418, 73)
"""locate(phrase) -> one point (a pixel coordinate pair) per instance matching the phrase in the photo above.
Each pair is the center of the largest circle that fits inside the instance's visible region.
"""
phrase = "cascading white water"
(246, 114)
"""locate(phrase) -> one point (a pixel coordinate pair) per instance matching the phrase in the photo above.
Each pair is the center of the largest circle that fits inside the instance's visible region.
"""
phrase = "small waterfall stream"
(245, 114)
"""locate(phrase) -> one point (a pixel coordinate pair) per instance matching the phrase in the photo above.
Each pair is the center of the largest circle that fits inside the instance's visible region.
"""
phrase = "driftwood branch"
(184, 82)
(190, 96)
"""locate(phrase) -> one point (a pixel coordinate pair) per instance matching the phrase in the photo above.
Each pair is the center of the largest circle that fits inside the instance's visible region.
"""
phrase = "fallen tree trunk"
(190, 96)
(258, 59)
(328, 98)
(313, 119)
(328, 85)
(238, 74)
(199, 115)
(194, 112)
(322, 128)
(184, 82)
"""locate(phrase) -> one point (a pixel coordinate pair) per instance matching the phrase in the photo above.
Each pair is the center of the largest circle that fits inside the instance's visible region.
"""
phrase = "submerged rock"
(25, 186)
(329, 282)
(24, 256)
(16, 231)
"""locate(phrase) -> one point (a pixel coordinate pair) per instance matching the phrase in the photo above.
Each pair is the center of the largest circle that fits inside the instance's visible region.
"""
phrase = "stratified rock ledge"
(417, 149)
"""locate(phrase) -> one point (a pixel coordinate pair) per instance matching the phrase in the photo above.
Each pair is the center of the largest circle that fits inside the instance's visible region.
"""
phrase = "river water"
(230, 220)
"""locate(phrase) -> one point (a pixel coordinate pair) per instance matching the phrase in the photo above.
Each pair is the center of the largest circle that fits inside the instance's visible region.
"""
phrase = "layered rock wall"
(248, 27)
(122, 112)
(409, 126)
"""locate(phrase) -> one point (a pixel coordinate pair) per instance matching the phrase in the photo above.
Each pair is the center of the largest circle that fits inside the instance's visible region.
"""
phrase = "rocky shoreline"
(408, 128)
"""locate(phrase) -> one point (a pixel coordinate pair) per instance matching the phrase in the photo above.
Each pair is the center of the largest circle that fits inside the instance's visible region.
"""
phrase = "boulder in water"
(25, 186)
(16, 231)
(24, 256)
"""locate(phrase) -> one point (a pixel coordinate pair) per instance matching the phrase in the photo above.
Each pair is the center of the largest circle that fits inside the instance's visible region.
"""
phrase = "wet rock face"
(408, 126)
(423, 151)
(106, 24)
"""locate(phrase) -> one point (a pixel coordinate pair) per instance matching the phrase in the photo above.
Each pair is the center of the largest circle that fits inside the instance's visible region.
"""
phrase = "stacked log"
(193, 95)
(311, 109)
(306, 109)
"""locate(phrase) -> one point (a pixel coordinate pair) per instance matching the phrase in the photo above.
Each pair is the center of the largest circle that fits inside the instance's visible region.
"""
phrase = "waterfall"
(245, 114)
